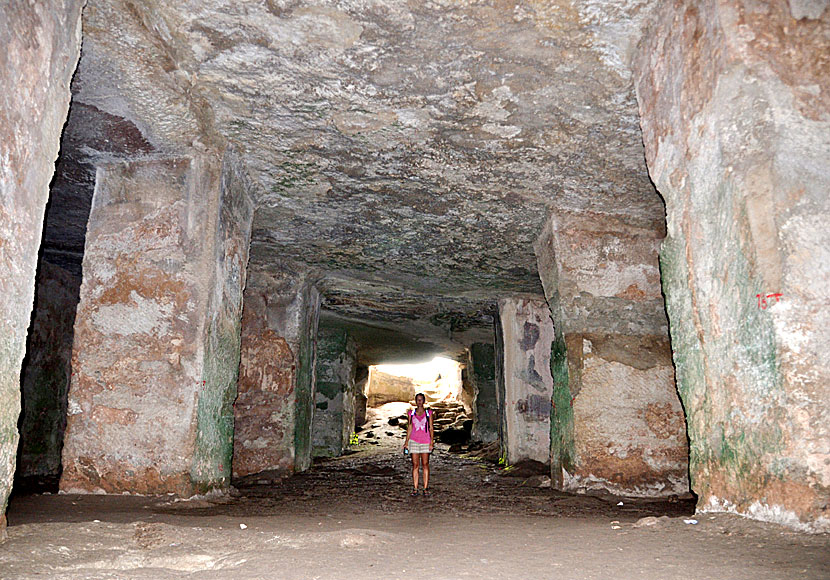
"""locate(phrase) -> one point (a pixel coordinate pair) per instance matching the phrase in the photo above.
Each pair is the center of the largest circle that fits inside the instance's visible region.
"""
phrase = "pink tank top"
(420, 427)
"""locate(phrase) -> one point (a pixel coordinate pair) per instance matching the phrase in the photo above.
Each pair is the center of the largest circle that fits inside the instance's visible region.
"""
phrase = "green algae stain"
(214, 425)
(686, 348)
(291, 175)
(8, 446)
(563, 450)
(724, 348)
(329, 389)
(331, 345)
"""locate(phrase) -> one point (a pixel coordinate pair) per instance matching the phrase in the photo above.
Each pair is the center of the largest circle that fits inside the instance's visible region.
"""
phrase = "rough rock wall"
(616, 422)
(153, 356)
(306, 378)
(274, 408)
(45, 377)
(527, 331)
(481, 370)
(40, 41)
(361, 381)
(334, 413)
(385, 388)
(735, 107)
(214, 413)
(500, 389)
(467, 394)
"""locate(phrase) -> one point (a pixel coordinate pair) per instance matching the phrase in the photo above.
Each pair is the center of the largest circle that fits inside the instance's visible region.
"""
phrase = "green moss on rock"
(562, 418)
(725, 354)
(215, 421)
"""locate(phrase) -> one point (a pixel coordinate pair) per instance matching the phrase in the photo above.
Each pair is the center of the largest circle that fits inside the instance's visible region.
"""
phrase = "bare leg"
(425, 463)
(416, 463)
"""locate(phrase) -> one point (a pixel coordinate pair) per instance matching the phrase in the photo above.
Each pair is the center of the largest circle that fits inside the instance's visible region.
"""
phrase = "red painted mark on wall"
(762, 300)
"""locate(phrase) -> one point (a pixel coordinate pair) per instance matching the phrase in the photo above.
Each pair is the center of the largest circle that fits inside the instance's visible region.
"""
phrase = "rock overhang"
(409, 152)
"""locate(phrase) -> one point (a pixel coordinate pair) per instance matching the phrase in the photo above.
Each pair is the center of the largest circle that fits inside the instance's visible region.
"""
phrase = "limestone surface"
(525, 397)
(617, 423)
(40, 41)
(738, 148)
(156, 347)
(391, 164)
(408, 151)
(274, 408)
(385, 388)
(334, 408)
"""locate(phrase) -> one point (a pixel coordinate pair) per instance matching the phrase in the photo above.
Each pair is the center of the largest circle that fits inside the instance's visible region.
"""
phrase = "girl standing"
(419, 441)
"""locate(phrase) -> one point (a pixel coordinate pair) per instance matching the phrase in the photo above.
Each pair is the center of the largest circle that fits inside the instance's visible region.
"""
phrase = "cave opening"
(391, 391)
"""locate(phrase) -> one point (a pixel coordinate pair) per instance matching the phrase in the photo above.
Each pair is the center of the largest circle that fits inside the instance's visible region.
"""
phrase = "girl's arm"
(408, 429)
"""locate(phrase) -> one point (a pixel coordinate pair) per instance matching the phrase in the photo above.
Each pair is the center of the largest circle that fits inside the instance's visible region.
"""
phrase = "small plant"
(353, 439)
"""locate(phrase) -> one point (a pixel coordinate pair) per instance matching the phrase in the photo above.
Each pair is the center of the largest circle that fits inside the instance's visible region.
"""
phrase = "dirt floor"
(352, 517)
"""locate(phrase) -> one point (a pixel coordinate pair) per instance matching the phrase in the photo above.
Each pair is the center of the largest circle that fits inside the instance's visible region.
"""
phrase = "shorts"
(418, 447)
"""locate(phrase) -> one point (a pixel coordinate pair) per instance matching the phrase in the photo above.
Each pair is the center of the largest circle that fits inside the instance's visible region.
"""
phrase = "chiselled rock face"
(408, 151)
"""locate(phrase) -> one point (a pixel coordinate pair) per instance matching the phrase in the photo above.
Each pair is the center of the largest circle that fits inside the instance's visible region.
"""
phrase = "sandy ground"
(352, 517)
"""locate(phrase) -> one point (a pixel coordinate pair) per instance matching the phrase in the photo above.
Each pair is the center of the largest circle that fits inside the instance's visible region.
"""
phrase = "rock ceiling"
(409, 151)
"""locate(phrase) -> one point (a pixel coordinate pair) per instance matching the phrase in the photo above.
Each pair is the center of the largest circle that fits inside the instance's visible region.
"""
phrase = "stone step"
(454, 410)
(443, 404)
(442, 414)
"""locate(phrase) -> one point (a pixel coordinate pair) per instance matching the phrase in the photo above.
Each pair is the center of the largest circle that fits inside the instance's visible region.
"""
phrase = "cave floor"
(352, 517)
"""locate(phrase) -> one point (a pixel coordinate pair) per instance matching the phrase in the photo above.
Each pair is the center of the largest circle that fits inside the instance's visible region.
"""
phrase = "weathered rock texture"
(361, 381)
(410, 153)
(735, 104)
(274, 409)
(45, 377)
(616, 422)
(384, 154)
(40, 43)
(467, 395)
(481, 370)
(385, 388)
(334, 409)
(525, 408)
(156, 349)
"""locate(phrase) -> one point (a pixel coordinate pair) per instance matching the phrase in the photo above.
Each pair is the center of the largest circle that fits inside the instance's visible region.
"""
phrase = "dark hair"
(420, 395)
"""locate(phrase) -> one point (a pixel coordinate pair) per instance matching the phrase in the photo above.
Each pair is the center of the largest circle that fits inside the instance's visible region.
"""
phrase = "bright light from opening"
(424, 372)
(439, 380)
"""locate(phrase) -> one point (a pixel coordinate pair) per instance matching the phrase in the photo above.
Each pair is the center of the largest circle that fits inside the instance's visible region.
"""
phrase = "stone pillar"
(467, 394)
(274, 409)
(735, 110)
(156, 348)
(616, 422)
(527, 334)
(334, 413)
(481, 371)
(41, 42)
(361, 382)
